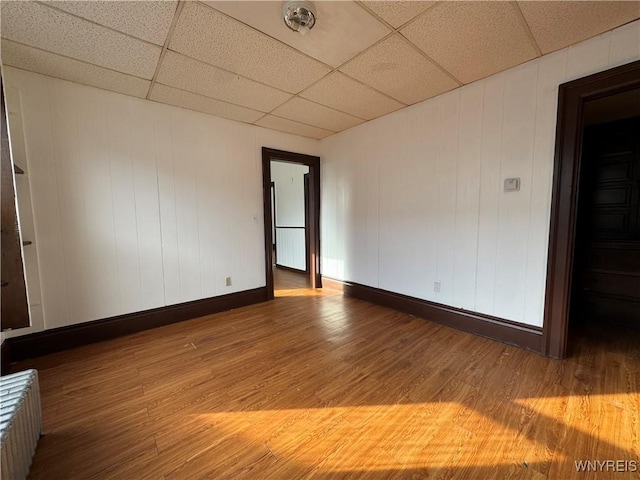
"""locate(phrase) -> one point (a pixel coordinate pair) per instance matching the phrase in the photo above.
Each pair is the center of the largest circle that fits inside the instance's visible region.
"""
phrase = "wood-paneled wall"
(416, 197)
(138, 205)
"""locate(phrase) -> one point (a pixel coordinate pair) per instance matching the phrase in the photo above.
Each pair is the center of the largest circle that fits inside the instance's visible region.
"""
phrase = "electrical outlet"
(436, 287)
(228, 281)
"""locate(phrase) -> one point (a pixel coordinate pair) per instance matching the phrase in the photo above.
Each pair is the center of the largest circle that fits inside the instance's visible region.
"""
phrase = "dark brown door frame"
(269, 154)
(14, 306)
(274, 215)
(571, 99)
(308, 215)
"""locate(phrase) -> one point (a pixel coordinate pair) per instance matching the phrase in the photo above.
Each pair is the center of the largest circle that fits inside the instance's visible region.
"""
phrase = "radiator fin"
(20, 422)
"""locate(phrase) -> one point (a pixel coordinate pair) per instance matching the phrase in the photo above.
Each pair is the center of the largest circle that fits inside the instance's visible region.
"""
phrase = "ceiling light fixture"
(299, 16)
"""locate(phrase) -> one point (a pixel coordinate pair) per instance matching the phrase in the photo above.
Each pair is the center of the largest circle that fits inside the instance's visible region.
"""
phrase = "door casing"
(572, 97)
(313, 253)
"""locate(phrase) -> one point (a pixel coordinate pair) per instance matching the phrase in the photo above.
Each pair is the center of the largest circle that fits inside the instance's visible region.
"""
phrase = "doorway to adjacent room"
(291, 194)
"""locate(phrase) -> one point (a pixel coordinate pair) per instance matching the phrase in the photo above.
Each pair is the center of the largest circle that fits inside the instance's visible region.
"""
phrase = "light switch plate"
(511, 184)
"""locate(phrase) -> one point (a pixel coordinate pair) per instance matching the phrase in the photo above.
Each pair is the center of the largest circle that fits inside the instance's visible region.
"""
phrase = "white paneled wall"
(290, 248)
(289, 182)
(416, 197)
(136, 204)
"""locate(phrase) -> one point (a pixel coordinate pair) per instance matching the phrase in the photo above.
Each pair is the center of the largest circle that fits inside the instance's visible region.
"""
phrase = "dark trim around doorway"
(571, 99)
(269, 154)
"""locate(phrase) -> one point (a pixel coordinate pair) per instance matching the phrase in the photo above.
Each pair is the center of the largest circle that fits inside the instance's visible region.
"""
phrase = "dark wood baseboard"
(291, 269)
(63, 338)
(505, 331)
(5, 357)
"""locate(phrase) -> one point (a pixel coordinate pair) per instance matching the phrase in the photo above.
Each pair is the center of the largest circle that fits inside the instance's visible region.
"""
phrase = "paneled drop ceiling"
(237, 59)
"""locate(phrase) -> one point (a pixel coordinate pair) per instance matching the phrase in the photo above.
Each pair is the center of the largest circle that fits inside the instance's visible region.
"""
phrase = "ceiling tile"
(284, 125)
(397, 13)
(345, 94)
(343, 29)
(305, 111)
(472, 40)
(148, 20)
(397, 69)
(50, 29)
(210, 36)
(556, 25)
(192, 101)
(47, 63)
(198, 77)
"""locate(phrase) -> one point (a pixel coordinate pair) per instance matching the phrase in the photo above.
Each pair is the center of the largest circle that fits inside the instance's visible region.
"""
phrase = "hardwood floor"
(314, 385)
(286, 281)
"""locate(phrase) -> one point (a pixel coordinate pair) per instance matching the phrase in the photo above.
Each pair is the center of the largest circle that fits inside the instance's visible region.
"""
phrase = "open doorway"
(291, 194)
(290, 223)
(593, 205)
(605, 295)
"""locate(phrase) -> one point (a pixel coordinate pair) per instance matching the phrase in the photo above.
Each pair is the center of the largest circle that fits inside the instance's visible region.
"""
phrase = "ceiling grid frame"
(371, 88)
(527, 28)
(165, 46)
(333, 69)
(71, 58)
(71, 14)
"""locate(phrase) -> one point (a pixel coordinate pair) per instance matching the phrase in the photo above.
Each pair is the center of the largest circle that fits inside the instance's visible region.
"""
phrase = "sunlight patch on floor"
(619, 408)
(298, 292)
(378, 437)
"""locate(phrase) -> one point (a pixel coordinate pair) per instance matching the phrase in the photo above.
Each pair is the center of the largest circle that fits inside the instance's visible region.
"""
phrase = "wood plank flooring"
(314, 385)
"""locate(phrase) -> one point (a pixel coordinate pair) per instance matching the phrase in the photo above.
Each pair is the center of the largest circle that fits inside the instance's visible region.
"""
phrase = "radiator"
(20, 422)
